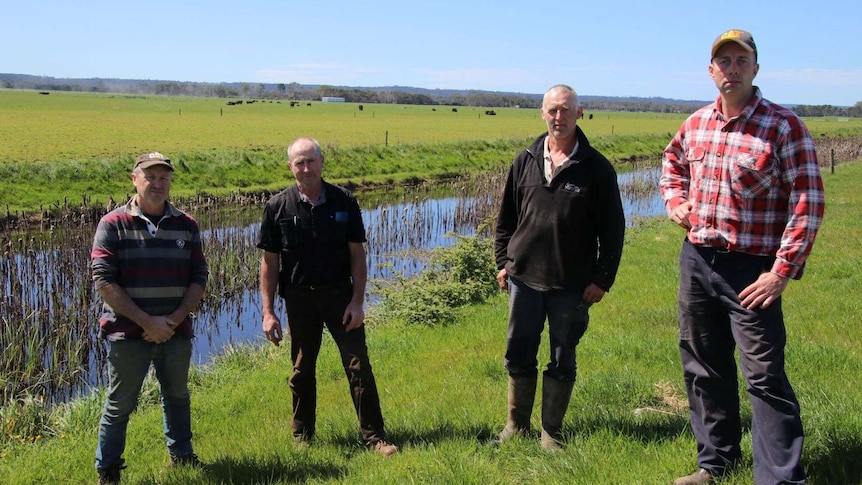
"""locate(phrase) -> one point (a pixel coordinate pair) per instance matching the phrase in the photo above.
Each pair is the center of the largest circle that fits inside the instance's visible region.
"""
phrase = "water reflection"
(399, 236)
(48, 310)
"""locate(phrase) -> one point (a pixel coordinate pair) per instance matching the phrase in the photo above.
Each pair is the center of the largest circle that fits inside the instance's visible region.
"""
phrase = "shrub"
(455, 276)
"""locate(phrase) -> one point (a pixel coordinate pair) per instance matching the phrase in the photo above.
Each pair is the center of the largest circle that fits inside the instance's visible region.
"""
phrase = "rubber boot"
(555, 401)
(522, 394)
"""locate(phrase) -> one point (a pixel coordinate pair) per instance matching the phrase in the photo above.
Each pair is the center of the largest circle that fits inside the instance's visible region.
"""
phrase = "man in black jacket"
(558, 245)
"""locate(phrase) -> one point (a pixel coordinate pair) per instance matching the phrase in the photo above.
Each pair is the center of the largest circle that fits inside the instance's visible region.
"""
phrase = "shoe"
(696, 478)
(110, 475)
(383, 447)
(187, 460)
(302, 441)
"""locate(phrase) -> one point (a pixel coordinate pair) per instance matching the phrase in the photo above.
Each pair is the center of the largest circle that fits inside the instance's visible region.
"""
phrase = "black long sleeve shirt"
(564, 234)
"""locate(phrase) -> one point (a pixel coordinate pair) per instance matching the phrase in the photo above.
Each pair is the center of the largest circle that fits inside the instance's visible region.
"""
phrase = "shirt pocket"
(338, 226)
(695, 154)
(291, 234)
(753, 175)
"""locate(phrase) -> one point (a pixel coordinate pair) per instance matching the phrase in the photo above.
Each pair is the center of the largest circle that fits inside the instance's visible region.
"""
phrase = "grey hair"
(562, 87)
(314, 143)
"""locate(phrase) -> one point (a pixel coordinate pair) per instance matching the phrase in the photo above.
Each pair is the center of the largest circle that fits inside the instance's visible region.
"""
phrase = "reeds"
(49, 311)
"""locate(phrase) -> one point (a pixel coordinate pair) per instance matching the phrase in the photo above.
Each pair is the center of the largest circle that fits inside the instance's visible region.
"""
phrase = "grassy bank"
(443, 391)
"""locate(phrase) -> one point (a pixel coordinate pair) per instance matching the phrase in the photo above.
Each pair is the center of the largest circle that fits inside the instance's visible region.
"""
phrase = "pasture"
(88, 126)
(74, 149)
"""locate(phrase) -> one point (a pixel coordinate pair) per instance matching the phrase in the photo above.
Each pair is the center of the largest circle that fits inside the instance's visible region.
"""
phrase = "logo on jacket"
(180, 243)
(570, 187)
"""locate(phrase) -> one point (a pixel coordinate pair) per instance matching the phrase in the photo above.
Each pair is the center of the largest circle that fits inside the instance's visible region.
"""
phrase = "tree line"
(383, 95)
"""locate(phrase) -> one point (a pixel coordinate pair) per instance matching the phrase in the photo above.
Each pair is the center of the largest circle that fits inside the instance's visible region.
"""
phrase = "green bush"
(456, 276)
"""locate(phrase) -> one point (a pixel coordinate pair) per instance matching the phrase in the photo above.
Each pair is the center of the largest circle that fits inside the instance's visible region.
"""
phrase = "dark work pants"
(567, 318)
(712, 323)
(307, 312)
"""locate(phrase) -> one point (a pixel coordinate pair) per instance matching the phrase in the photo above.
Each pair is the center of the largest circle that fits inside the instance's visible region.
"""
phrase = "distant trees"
(854, 111)
(390, 95)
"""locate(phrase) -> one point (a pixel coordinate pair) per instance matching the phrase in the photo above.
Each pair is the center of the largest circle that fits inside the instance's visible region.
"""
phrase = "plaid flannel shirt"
(754, 182)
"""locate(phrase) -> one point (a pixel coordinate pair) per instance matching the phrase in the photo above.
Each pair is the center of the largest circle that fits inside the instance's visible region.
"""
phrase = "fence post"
(387, 138)
(832, 162)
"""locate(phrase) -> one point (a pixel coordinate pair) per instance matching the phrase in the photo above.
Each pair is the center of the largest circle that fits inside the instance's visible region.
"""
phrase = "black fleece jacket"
(565, 234)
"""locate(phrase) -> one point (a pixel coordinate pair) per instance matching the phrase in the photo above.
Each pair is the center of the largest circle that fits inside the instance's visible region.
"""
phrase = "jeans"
(128, 363)
(307, 313)
(712, 324)
(567, 319)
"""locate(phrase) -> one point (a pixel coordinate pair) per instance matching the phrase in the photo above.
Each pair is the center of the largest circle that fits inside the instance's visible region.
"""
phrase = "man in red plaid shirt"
(742, 177)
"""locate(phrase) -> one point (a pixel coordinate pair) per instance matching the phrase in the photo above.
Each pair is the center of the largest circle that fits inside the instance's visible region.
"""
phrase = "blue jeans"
(712, 325)
(567, 319)
(128, 363)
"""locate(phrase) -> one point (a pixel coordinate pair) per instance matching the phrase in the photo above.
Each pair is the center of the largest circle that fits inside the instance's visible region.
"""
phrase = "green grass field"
(443, 392)
(85, 126)
(74, 149)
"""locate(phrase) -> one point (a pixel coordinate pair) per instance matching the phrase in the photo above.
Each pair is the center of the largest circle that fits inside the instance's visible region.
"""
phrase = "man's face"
(306, 165)
(733, 70)
(560, 113)
(153, 185)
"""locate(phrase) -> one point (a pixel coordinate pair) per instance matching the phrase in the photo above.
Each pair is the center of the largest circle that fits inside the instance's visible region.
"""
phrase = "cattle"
(591, 116)
(360, 107)
(44, 92)
(490, 112)
(454, 110)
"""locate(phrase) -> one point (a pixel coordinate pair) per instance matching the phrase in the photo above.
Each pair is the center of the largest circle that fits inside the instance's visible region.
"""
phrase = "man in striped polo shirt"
(149, 268)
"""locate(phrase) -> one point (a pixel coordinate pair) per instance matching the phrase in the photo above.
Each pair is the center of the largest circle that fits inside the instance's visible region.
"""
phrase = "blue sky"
(810, 52)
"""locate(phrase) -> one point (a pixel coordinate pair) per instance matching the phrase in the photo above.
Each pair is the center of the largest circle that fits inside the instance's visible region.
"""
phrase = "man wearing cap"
(741, 177)
(149, 268)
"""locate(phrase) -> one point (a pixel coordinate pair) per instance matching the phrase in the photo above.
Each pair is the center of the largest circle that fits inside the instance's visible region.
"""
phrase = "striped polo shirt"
(154, 261)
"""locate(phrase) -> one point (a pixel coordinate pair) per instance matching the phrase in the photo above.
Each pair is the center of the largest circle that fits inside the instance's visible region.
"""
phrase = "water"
(396, 246)
(45, 283)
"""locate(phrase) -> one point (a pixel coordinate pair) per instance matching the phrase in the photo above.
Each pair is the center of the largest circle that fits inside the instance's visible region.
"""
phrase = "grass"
(73, 149)
(443, 391)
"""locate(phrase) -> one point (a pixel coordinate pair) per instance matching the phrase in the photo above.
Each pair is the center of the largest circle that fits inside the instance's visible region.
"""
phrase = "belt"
(716, 254)
(317, 288)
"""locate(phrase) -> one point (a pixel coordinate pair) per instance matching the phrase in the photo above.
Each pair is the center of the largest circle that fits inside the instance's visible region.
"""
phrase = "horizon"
(231, 83)
(612, 49)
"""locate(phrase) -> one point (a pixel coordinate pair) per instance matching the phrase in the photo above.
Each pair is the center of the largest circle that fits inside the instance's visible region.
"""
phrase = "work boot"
(522, 394)
(110, 475)
(555, 401)
(697, 478)
(190, 460)
(383, 447)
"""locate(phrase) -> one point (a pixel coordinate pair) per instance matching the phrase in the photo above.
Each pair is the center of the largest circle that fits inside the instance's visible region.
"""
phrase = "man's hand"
(502, 277)
(681, 214)
(354, 316)
(157, 329)
(764, 291)
(272, 328)
(592, 294)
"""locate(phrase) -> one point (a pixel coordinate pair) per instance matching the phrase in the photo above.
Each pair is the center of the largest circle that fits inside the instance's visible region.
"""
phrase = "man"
(312, 236)
(149, 268)
(558, 244)
(742, 178)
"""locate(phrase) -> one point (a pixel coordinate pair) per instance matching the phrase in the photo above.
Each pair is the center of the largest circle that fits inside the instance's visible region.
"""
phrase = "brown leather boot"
(555, 401)
(522, 394)
(699, 477)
